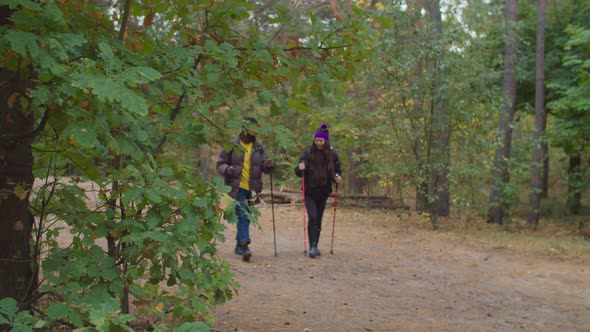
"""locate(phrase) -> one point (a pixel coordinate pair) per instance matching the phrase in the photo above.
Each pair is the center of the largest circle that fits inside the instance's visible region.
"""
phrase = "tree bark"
(422, 189)
(16, 221)
(355, 183)
(440, 123)
(415, 11)
(497, 203)
(540, 121)
(16, 180)
(545, 147)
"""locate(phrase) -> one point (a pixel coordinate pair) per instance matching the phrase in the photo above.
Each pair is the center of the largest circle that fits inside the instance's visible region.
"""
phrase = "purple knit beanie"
(323, 132)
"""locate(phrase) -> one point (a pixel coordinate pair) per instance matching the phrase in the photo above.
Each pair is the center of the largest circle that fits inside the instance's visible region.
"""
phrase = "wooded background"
(443, 105)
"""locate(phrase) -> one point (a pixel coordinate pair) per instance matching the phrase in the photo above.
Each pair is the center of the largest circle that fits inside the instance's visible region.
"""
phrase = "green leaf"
(86, 164)
(121, 321)
(8, 308)
(111, 274)
(275, 110)
(140, 75)
(103, 87)
(100, 313)
(107, 55)
(40, 324)
(24, 43)
(57, 310)
(132, 102)
(265, 96)
(166, 171)
(83, 133)
(58, 119)
(46, 61)
(71, 41)
(109, 90)
(53, 14)
(59, 70)
(193, 327)
(153, 196)
(127, 147)
(28, 4)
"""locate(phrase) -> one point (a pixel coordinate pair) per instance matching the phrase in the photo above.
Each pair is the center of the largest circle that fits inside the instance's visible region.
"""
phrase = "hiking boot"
(314, 251)
(244, 251)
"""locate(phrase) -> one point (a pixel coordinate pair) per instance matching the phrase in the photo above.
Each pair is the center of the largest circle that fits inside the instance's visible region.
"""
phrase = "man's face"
(248, 135)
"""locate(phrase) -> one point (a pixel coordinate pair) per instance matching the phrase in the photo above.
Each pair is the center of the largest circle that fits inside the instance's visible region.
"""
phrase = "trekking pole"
(304, 226)
(272, 205)
(334, 221)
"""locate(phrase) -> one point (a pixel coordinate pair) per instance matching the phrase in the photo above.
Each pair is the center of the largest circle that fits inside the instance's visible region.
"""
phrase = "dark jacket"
(235, 158)
(320, 192)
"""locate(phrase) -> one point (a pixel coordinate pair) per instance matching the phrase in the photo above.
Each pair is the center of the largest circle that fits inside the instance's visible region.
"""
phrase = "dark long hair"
(321, 165)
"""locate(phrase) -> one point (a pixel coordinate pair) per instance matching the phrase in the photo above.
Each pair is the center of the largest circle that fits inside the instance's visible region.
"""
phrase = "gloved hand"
(230, 171)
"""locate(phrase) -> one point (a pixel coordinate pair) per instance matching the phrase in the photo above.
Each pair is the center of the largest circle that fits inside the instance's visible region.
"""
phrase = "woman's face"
(319, 142)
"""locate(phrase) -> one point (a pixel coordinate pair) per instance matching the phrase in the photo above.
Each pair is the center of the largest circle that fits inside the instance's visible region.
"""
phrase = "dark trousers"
(315, 212)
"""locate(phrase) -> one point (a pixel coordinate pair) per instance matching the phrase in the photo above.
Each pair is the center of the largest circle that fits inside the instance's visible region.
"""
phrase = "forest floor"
(390, 272)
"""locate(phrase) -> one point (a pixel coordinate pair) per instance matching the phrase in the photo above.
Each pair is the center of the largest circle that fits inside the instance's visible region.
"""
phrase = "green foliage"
(572, 108)
(14, 319)
(128, 229)
(566, 70)
(390, 108)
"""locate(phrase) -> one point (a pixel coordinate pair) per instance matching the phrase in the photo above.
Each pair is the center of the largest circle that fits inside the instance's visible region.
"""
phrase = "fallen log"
(368, 201)
(280, 197)
(373, 201)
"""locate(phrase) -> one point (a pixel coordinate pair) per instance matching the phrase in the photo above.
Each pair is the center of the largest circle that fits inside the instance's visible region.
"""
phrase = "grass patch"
(551, 238)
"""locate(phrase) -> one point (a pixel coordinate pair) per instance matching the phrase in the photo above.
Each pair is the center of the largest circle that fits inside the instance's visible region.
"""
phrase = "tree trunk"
(355, 183)
(441, 131)
(545, 184)
(421, 191)
(16, 180)
(497, 203)
(540, 121)
(415, 10)
(574, 194)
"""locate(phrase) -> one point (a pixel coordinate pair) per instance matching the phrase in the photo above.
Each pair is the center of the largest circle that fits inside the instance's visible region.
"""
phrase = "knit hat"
(251, 119)
(323, 132)
(249, 129)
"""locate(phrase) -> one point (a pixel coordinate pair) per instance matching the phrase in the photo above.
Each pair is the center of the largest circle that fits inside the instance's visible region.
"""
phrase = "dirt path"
(384, 276)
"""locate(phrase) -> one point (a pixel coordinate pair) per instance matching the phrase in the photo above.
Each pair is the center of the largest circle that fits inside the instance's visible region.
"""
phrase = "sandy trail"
(386, 276)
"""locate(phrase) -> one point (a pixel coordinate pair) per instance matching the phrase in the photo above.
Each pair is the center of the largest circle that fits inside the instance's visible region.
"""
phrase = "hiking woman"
(320, 167)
